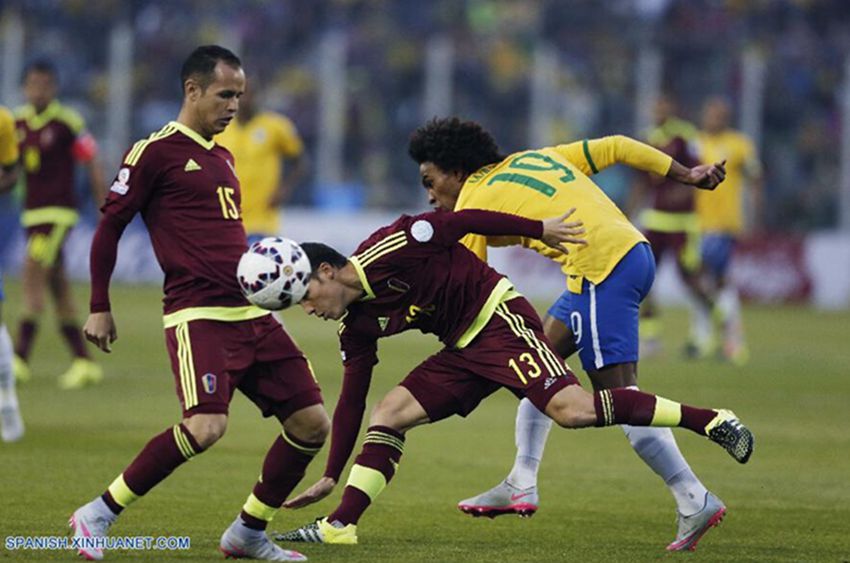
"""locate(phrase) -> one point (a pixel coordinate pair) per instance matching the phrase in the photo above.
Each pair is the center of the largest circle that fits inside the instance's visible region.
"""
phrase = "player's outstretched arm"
(703, 176)
(316, 492)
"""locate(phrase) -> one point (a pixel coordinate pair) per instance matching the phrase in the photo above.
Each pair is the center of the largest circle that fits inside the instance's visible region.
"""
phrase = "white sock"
(532, 429)
(658, 449)
(7, 379)
(730, 303)
(702, 330)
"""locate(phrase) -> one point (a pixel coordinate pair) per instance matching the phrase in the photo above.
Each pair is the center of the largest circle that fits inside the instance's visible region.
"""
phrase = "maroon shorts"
(511, 352)
(212, 358)
(45, 241)
(684, 246)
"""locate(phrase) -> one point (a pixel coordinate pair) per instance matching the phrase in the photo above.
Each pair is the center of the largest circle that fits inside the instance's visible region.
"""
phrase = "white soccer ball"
(273, 273)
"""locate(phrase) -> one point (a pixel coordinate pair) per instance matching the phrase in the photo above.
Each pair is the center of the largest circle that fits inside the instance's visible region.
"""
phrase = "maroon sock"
(74, 338)
(283, 468)
(623, 406)
(696, 419)
(382, 451)
(162, 455)
(26, 336)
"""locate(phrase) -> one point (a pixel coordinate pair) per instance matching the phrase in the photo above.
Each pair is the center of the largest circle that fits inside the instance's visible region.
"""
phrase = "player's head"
(327, 295)
(248, 101)
(448, 151)
(40, 83)
(213, 82)
(716, 114)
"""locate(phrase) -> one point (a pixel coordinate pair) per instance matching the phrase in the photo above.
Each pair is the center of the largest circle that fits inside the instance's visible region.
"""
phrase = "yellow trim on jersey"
(55, 110)
(667, 413)
(669, 222)
(299, 447)
(64, 216)
(258, 509)
(136, 151)
(364, 281)
(381, 248)
(223, 314)
(186, 366)
(192, 134)
(517, 325)
(370, 481)
(183, 443)
(497, 296)
(121, 493)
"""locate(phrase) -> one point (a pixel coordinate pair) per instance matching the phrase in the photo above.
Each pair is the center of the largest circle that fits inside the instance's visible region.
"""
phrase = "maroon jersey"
(416, 276)
(188, 195)
(50, 142)
(674, 137)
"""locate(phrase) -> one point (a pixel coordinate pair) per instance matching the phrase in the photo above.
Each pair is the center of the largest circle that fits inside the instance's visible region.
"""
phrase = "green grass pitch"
(599, 502)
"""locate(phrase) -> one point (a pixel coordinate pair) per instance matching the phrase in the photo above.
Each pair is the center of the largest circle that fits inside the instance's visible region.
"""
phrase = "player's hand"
(320, 489)
(100, 330)
(557, 232)
(707, 176)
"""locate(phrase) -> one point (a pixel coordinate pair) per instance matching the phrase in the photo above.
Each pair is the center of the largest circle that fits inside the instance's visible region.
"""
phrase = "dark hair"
(43, 66)
(454, 145)
(319, 253)
(201, 64)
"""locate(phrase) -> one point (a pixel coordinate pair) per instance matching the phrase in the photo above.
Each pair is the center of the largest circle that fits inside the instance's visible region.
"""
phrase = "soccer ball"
(273, 273)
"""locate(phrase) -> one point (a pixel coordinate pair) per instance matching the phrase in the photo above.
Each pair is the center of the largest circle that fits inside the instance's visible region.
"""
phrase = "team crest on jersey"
(209, 382)
(383, 322)
(120, 185)
(46, 137)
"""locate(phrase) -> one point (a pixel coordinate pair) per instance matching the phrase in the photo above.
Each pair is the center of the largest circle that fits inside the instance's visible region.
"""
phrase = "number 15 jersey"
(187, 192)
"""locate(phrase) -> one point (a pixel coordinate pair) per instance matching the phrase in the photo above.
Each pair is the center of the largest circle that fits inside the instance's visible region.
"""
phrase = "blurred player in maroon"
(184, 186)
(414, 274)
(52, 140)
(671, 224)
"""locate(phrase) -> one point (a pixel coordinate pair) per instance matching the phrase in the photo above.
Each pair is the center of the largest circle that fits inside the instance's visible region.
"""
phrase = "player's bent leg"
(372, 471)
(160, 456)
(572, 407)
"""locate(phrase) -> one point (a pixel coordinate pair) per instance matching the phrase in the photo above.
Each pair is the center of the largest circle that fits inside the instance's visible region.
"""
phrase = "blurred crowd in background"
(804, 44)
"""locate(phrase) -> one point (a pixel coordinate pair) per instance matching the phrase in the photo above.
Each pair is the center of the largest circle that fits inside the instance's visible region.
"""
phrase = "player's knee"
(571, 407)
(310, 424)
(388, 412)
(206, 429)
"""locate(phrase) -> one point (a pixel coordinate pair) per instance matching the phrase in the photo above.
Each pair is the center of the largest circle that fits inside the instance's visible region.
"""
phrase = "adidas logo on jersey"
(191, 166)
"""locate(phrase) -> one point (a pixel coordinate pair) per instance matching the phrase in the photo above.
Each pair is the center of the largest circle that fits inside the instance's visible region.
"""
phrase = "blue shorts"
(604, 318)
(717, 250)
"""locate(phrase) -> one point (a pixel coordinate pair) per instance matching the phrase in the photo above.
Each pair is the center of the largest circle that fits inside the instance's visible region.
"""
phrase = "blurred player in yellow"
(461, 168)
(11, 425)
(721, 214)
(672, 228)
(260, 143)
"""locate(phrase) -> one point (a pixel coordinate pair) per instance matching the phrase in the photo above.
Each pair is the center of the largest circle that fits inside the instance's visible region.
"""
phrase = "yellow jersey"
(258, 147)
(546, 182)
(8, 138)
(722, 210)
